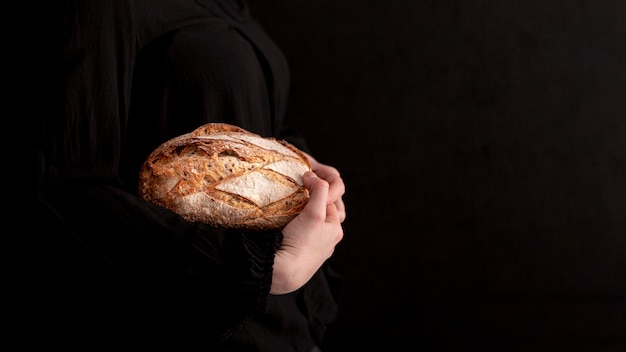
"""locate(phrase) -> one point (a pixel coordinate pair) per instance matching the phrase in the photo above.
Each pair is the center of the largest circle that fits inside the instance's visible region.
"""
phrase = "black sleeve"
(95, 251)
(102, 255)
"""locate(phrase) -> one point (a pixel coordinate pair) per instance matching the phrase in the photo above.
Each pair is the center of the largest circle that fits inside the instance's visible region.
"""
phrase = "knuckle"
(323, 184)
(339, 235)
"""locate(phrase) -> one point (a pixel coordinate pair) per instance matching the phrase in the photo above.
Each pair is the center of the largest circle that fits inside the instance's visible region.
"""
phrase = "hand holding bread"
(225, 176)
(308, 240)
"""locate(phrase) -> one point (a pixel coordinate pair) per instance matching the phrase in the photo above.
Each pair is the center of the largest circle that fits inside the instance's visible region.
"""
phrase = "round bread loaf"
(226, 176)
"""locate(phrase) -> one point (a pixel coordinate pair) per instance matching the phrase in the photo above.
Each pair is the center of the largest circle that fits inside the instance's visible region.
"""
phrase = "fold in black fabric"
(108, 81)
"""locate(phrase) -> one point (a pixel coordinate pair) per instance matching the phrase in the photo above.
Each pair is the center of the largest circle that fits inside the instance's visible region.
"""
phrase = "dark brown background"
(483, 145)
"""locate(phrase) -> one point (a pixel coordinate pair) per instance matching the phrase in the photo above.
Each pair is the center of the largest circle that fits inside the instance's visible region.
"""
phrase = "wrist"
(283, 275)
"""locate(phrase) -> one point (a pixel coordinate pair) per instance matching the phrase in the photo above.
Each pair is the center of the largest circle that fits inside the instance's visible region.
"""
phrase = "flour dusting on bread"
(225, 176)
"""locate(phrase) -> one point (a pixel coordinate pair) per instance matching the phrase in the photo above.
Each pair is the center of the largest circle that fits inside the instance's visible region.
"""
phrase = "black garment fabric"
(103, 84)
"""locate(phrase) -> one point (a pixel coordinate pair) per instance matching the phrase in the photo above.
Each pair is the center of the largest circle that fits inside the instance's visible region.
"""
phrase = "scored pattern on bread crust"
(226, 176)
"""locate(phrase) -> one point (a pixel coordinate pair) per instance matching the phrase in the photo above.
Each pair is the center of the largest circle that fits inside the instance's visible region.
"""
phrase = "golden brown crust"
(223, 175)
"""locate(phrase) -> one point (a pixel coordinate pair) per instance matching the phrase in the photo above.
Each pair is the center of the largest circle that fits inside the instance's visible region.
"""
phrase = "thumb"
(318, 190)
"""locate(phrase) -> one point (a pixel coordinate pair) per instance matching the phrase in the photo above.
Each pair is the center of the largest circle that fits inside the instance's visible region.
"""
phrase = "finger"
(325, 171)
(341, 209)
(336, 191)
(318, 194)
(332, 176)
(332, 215)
